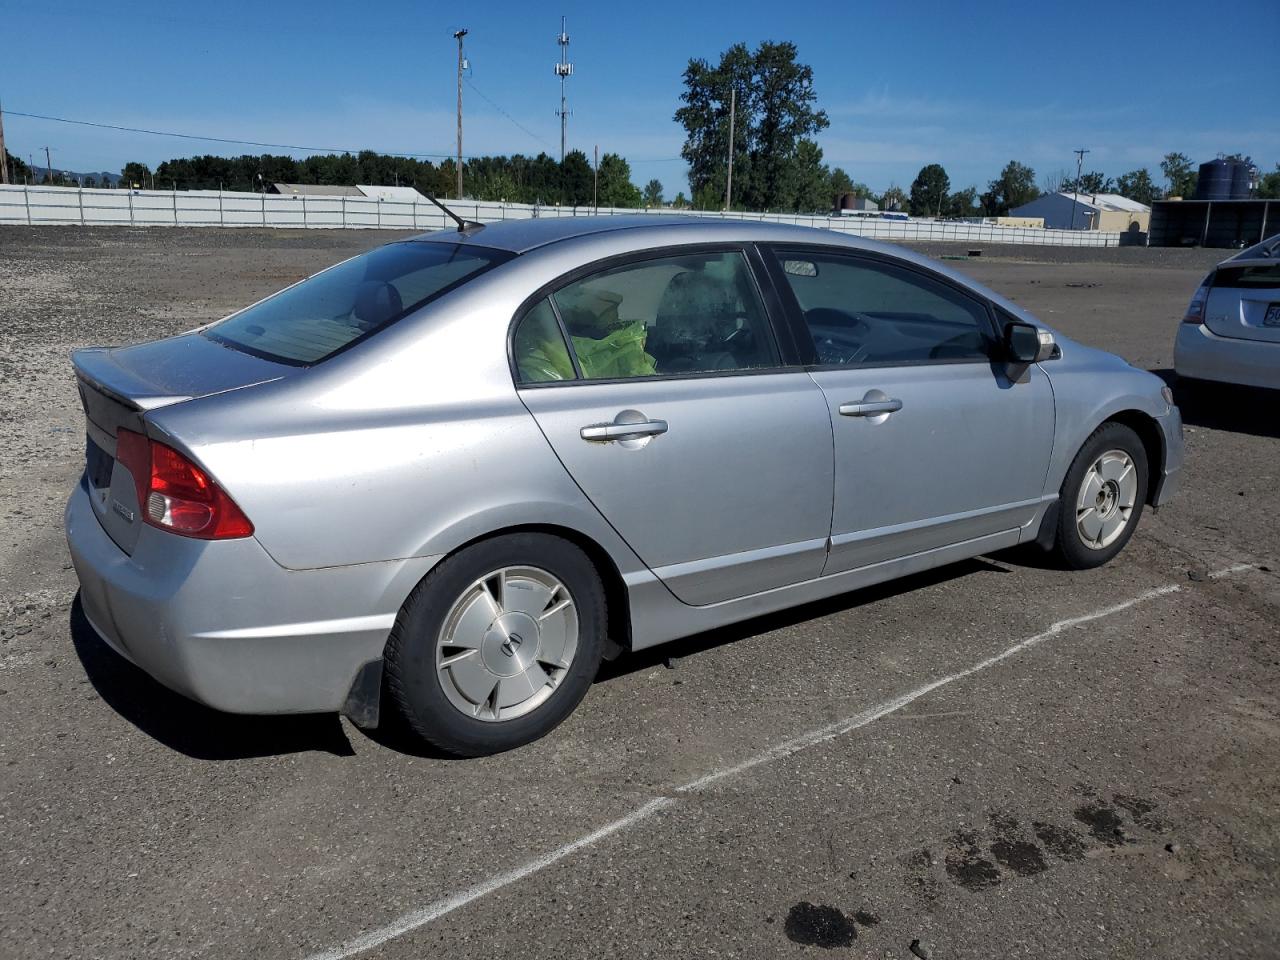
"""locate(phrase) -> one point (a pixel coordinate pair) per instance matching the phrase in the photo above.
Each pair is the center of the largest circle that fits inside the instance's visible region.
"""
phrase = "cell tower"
(563, 70)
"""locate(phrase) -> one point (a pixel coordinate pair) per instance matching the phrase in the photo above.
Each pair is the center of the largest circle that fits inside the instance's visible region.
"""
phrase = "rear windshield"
(1260, 275)
(337, 307)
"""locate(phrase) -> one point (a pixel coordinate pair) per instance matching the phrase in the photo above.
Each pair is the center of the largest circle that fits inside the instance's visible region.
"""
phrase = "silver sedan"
(1231, 331)
(445, 478)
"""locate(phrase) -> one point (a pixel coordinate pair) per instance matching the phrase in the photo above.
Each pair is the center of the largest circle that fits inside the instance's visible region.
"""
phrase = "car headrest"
(376, 302)
(692, 303)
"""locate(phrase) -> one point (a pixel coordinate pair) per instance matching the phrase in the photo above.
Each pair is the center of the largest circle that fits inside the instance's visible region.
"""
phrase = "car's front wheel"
(498, 644)
(1101, 498)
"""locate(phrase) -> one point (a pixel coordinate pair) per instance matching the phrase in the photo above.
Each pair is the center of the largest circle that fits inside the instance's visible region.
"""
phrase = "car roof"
(521, 236)
(651, 231)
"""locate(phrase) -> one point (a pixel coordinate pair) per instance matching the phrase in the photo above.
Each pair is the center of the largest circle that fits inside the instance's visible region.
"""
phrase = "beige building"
(1089, 211)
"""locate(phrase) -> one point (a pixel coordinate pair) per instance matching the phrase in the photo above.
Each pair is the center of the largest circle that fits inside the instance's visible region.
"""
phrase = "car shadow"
(188, 727)
(662, 654)
(1223, 406)
(394, 734)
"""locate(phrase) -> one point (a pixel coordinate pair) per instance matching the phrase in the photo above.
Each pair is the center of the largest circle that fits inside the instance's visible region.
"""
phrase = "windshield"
(340, 306)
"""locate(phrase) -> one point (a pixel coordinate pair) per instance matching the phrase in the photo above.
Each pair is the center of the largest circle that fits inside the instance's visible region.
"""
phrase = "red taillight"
(1195, 309)
(176, 495)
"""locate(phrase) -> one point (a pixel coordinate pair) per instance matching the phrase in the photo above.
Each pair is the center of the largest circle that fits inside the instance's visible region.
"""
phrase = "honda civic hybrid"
(441, 481)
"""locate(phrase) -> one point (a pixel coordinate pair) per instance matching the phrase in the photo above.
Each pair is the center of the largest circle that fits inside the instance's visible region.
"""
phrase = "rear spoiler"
(95, 367)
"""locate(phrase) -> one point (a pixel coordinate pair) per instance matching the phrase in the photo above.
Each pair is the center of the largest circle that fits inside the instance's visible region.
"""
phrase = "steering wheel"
(849, 346)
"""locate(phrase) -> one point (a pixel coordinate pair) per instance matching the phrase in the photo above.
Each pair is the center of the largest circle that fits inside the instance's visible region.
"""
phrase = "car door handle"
(870, 408)
(606, 432)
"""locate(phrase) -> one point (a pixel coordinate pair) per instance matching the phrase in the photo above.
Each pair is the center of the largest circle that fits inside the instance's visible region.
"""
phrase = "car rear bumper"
(224, 624)
(1200, 354)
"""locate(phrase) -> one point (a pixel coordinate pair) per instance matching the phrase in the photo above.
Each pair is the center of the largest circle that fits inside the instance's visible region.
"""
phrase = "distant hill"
(76, 176)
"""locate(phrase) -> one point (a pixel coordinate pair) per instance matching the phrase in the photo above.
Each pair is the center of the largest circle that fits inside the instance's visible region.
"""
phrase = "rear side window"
(538, 348)
(1261, 276)
(337, 307)
(668, 316)
(866, 312)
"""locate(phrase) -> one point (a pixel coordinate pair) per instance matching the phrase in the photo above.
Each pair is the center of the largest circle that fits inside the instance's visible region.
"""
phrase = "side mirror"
(1027, 343)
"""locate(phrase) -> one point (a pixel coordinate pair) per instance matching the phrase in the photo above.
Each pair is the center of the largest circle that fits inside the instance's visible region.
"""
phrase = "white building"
(1088, 211)
(403, 194)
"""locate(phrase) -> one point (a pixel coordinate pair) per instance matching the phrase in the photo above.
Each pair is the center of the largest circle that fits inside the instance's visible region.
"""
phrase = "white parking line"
(424, 915)
(433, 911)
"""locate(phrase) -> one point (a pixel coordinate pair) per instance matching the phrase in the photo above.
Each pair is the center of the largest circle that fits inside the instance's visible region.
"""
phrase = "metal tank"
(1215, 180)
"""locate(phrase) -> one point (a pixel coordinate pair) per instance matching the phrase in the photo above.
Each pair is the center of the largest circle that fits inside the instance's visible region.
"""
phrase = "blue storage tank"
(1243, 177)
(1215, 180)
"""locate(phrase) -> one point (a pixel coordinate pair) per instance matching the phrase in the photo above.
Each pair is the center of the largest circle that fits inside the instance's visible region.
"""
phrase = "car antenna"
(463, 225)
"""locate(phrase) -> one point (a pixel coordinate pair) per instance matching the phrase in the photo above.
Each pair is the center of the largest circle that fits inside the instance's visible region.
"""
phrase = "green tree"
(1137, 185)
(575, 179)
(1091, 182)
(812, 187)
(1269, 185)
(1015, 186)
(929, 191)
(840, 183)
(19, 172)
(681, 201)
(1180, 174)
(775, 111)
(136, 174)
(653, 193)
(616, 188)
(964, 203)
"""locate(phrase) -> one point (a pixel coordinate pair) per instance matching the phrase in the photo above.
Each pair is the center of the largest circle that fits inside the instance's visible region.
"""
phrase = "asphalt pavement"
(993, 759)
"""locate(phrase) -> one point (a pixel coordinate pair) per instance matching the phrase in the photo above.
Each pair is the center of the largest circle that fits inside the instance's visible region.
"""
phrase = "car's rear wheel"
(498, 644)
(1101, 498)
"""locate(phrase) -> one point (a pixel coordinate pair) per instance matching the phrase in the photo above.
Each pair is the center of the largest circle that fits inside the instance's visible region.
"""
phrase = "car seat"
(376, 303)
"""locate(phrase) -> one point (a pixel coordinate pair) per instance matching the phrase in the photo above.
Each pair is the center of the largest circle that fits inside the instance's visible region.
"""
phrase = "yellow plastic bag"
(619, 354)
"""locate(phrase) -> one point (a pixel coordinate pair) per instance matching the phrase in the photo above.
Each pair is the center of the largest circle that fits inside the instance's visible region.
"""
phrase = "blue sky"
(966, 85)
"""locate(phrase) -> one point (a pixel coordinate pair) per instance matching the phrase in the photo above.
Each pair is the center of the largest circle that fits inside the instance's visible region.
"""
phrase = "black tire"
(413, 684)
(1069, 546)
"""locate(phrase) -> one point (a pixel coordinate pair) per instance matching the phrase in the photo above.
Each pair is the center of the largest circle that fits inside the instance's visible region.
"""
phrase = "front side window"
(670, 316)
(865, 312)
(325, 313)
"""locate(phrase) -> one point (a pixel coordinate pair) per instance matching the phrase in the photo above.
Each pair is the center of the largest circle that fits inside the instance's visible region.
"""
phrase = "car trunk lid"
(118, 386)
(1244, 301)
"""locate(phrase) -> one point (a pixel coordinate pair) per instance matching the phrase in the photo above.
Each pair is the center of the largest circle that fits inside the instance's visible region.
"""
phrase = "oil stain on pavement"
(976, 861)
(817, 926)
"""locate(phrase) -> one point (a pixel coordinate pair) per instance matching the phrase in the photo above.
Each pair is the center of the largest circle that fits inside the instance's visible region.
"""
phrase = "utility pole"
(48, 166)
(728, 187)
(4, 157)
(563, 69)
(458, 35)
(1075, 197)
(595, 181)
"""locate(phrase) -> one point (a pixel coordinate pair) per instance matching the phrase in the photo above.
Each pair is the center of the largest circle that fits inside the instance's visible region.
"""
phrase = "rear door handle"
(606, 432)
(869, 408)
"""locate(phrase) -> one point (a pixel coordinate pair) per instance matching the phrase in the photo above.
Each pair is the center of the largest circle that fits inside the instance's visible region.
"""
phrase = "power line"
(243, 143)
(295, 146)
(483, 96)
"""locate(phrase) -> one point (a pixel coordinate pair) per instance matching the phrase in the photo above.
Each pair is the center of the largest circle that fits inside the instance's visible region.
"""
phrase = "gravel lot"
(1110, 789)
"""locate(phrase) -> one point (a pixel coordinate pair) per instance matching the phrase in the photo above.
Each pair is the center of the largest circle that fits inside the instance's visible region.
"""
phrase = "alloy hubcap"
(1107, 498)
(506, 643)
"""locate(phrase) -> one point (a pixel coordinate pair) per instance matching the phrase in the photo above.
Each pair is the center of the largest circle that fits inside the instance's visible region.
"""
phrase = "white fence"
(32, 206)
